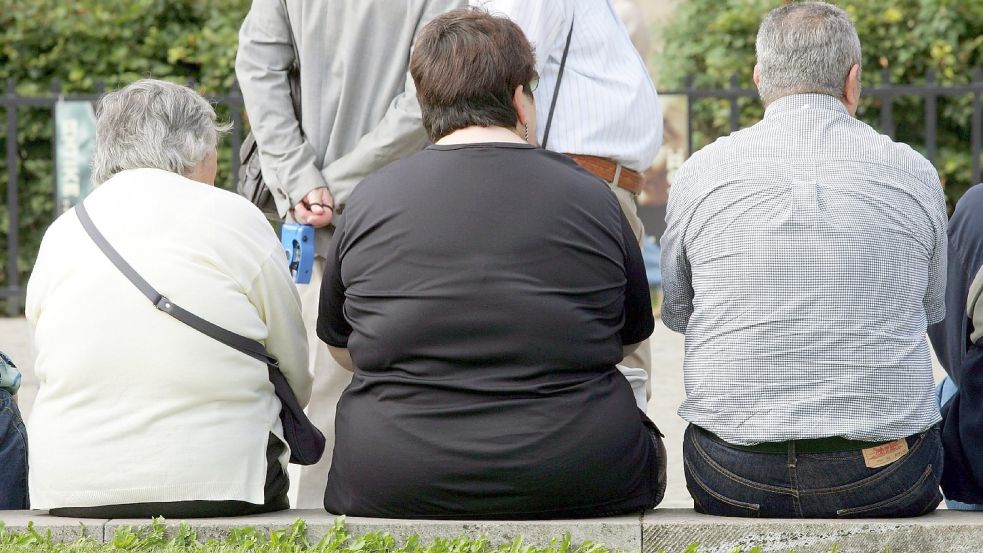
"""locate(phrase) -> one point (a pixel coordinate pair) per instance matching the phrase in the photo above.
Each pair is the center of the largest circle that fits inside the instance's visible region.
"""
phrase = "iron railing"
(886, 92)
(13, 292)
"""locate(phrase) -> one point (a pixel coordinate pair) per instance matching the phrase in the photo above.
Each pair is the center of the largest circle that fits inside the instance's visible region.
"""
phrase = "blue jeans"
(727, 481)
(945, 391)
(13, 455)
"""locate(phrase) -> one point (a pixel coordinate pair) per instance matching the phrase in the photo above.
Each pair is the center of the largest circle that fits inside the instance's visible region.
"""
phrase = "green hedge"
(713, 39)
(83, 42)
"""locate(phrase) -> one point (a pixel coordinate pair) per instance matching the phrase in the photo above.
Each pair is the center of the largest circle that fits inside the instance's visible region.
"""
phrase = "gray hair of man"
(806, 47)
(154, 124)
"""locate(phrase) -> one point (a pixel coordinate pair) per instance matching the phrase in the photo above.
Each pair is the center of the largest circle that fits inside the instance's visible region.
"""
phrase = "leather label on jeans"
(885, 454)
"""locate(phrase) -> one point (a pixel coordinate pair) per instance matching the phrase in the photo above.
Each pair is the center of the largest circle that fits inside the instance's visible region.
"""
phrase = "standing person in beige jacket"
(358, 113)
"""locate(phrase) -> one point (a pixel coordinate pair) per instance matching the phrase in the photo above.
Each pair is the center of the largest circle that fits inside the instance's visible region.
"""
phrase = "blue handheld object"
(298, 241)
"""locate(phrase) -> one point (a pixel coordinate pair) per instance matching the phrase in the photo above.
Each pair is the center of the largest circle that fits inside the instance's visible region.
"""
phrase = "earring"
(525, 133)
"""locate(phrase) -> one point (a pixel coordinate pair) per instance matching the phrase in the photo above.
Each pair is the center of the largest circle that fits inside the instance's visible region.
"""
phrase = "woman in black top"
(485, 290)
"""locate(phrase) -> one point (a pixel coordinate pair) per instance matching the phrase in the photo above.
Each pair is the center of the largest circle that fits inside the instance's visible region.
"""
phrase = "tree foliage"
(82, 43)
(714, 39)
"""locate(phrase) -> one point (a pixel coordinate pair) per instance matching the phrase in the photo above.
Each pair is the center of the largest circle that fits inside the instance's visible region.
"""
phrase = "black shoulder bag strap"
(556, 90)
(248, 346)
(305, 440)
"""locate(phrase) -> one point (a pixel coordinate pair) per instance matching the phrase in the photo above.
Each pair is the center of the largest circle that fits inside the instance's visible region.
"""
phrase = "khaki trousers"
(330, 379)
(641, 358)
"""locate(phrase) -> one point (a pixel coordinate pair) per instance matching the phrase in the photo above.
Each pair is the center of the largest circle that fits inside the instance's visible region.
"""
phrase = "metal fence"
(13, 292)
(886, 92)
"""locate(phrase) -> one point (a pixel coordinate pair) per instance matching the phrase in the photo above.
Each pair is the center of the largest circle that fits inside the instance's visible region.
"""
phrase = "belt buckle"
(617, 175)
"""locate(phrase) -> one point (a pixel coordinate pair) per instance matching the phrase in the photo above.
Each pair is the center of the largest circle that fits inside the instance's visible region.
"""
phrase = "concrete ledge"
(671, 530)
(623, 533)
(940, 532)
(63, 530)
(318, 524)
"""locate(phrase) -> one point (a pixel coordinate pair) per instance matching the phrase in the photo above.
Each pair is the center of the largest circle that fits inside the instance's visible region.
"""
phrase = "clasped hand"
(316, 209)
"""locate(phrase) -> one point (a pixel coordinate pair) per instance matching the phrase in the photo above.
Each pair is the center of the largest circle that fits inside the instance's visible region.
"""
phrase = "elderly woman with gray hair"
(137, 414)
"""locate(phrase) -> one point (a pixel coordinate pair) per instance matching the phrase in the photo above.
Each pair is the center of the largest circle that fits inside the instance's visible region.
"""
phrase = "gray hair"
(806, 47)
(153, 124)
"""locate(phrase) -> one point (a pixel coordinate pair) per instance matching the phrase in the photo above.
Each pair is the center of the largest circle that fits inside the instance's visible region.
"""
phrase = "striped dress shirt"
(804, 257)
(607, 106)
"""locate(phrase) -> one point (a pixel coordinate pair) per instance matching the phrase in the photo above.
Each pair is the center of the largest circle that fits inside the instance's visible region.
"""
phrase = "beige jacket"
(359, 106)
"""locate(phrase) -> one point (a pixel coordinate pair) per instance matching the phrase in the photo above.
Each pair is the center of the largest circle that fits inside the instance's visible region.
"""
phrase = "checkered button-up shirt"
(804, 257)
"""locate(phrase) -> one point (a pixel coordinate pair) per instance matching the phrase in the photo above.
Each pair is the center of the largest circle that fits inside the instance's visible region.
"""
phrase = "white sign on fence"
(75, 128)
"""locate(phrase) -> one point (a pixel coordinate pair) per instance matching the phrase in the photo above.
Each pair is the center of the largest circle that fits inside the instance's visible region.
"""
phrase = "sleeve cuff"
(332, 339)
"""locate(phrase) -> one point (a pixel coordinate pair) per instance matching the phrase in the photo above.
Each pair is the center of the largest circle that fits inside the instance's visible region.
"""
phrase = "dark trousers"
(659, 470)
(662, 459)
(277, 484)
(728, 481)
(13, 455)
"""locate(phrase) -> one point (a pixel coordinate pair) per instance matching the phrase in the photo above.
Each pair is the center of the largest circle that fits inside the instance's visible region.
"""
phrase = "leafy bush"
(82, 43)
(714, 39)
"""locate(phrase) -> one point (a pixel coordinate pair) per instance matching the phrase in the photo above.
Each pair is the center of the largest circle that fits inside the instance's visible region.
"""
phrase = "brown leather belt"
(608, 171)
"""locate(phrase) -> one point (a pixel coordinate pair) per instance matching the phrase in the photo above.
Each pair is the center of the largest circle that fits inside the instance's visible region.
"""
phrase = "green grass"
(159, 538)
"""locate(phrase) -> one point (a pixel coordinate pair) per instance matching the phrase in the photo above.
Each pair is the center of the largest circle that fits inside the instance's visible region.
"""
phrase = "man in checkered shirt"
(803, 259)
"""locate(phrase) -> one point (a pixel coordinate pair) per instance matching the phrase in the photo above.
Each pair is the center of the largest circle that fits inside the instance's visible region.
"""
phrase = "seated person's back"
(816, 264)
(485, 289)
(134, 408)
(803, 259)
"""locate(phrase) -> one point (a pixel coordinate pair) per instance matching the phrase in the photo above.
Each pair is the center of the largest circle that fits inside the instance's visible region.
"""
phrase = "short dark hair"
(466, 65)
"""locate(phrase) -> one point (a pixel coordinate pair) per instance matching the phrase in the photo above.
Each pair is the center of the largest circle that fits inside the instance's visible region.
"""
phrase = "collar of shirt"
(804, 101)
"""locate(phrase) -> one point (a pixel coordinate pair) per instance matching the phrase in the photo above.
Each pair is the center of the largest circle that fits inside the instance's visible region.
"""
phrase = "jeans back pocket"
(919, 499)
